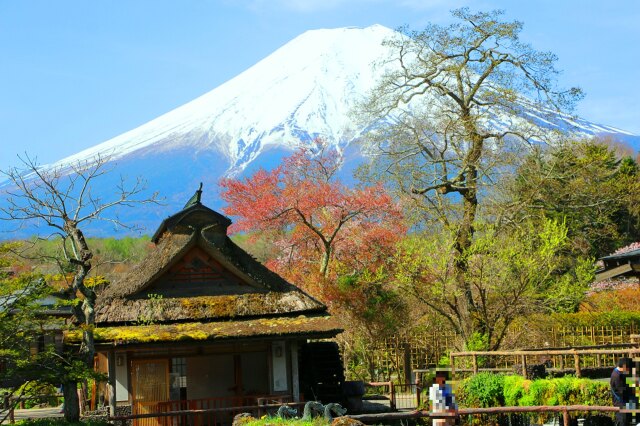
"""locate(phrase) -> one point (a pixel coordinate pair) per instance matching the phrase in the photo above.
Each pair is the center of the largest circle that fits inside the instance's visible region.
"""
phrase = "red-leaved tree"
(318, 219)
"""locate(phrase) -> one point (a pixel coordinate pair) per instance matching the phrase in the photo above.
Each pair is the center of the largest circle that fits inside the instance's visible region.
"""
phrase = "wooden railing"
(207, 407)
(398, 356)
(199, 417)
(520, 357)
(8, 404)
(564, 410)
(388, 393)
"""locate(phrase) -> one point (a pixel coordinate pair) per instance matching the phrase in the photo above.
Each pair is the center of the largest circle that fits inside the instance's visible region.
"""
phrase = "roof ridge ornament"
(195, 198)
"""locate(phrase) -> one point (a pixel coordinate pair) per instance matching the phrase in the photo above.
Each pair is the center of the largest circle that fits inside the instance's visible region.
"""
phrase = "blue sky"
(76, 73)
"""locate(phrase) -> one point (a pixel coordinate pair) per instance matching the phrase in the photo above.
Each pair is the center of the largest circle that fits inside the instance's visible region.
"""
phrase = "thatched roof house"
(201, 319)
(618, 270)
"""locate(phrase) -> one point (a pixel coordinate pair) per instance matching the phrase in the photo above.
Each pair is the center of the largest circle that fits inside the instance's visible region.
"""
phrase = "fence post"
(576, 359)
(392, 389)
(524, 366)
(452, 362)
(418, 389)
(566, 419)
(475, 364)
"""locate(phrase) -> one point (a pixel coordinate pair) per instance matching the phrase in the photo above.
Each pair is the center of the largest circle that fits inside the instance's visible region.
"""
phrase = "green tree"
(513, 272)
(27, 362)
(442, 146)
(19, 322)
(586, 185)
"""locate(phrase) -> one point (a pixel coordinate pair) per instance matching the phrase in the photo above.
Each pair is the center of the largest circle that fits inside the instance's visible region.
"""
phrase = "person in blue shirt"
(442, 398)
(621, 393)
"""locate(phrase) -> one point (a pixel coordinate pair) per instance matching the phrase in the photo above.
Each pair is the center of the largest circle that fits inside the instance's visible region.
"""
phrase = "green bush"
(272, 421)
(482, 390)
(537, 393)
(44, 391)
(513, 390)
(487, 390)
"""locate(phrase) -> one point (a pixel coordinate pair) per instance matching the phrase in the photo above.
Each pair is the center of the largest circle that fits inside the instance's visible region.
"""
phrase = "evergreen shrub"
(492, 390)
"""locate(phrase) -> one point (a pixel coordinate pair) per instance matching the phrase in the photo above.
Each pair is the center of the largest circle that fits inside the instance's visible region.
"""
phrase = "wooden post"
(452, 362)
(111, 381)
(295, 373)
(524, 366)
(561, 362)
(81, 392)
(566, 419)
(475, 364)
(10, 405)
(576, 359)
(392, 389)
(407, 363)
(418, 389)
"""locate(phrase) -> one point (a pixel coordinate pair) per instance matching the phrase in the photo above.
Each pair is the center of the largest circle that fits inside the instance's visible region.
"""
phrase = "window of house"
(178, 374)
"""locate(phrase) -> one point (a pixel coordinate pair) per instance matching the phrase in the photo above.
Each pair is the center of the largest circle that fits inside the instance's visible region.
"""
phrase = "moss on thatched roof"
(206, 307)
(157, 262)
(257, 292)
(310, 326)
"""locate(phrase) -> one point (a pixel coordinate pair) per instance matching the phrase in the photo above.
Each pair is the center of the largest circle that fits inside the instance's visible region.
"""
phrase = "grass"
(269, 421)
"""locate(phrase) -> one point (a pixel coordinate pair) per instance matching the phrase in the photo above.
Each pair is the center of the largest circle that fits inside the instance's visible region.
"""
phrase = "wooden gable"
(198, 273)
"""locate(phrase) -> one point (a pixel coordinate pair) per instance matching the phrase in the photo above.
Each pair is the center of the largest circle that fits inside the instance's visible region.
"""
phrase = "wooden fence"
(564, 410)
(197, 417)
(578, 356)
(395, 358)
(8, 404)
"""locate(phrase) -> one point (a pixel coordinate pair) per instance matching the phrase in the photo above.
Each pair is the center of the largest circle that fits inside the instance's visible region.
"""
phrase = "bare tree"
(455, 109)
(63, 199)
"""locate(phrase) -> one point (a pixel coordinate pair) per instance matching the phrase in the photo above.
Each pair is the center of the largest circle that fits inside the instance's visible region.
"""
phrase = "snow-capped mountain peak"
(303, 89)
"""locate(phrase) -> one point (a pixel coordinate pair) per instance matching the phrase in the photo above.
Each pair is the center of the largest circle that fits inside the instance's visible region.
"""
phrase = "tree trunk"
(324, 265)
(84, 310)
(472, 323)
(71, 402)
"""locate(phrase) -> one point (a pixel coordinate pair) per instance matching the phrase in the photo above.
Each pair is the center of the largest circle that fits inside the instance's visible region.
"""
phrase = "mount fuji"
(303, 90)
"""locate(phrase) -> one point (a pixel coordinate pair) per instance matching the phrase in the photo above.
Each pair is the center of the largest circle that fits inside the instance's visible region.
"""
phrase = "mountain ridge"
(303, 90)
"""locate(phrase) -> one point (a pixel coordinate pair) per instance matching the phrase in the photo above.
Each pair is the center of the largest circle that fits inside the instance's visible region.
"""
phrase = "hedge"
(587, 319)
(493, 390)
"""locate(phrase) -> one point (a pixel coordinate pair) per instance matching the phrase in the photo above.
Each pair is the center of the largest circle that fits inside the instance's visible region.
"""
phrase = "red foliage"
(318, 218)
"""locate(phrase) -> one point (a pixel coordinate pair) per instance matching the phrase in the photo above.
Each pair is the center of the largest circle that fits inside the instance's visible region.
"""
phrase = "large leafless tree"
(460, 100)
(60, 201)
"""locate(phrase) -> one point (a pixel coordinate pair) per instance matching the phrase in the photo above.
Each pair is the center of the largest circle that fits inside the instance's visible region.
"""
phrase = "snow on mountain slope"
(302, 90)
(305, 89)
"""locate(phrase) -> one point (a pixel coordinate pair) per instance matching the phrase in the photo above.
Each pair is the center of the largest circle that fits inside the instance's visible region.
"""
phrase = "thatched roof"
(151, 267)
(237, 285)
(190, 212)
(206, 307)
(302, 325)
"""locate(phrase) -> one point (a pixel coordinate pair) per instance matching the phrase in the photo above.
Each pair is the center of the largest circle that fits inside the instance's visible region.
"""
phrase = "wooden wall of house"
(210, 376)
(198, 274)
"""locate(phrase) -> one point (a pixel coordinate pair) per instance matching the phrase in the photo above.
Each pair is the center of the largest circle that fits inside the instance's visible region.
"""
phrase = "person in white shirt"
(442, 399)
